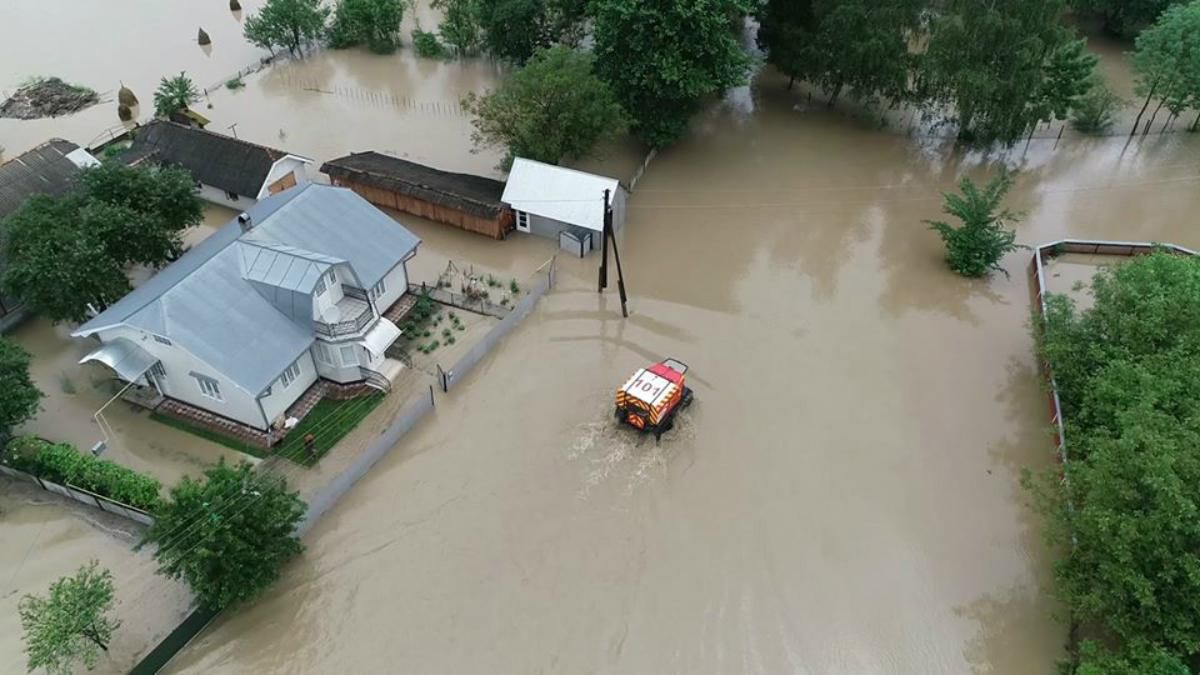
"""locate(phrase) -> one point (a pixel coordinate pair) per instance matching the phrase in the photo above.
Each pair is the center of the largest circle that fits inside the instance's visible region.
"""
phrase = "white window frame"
(523, 221)
(290, 374)
(161, 340)
(232, 196)
(323, 354)
(320, 288)
(332, 276)
(379, 289)
(353, 360)
(209, 387)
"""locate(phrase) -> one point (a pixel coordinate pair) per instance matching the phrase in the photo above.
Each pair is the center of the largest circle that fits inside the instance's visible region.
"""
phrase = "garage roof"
(559, 193)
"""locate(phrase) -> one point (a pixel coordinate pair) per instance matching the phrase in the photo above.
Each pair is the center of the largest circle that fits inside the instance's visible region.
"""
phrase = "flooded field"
(843, 496)
(46, 538)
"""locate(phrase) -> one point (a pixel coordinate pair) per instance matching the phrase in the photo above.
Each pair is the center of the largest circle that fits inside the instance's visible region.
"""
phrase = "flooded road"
(843, 496)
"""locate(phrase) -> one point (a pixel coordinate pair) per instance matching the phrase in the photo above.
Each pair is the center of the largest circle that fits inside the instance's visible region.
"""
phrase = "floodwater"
(46, 538)
(844, 495)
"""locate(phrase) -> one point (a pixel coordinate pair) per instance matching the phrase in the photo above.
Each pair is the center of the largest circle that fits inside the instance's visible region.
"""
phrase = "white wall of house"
(214, 195)
(340, 361)
(283, 395)
(292, 164)
(394, 285)
(333, 292)
(178, 383)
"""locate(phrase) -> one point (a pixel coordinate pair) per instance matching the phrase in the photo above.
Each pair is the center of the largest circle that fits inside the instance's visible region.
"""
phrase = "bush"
(235, 83)
(512, 286)
(1096, 110)
(62, 463)
(428, 46)
(976, 247)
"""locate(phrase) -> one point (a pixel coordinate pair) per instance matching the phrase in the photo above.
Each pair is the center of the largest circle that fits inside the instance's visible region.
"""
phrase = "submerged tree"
(71, 626)
(375, 23)
(1124, 17)
(998, 93)
(174, 94)
(663, 57)
(238, 529)
(864, 45)
(21, 396)
(553, 108)
(286, 23)
(460, 25)
(975, 248)
(1096, 110)
(1166, 63)
(514, 29)
(785, 33)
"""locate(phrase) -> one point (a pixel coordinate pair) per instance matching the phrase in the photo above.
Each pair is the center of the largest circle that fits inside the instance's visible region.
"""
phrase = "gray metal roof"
(213, 305)
(122, 355)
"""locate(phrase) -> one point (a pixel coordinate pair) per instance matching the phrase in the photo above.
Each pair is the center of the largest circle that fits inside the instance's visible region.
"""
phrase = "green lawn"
(329, 422)
(220, 439)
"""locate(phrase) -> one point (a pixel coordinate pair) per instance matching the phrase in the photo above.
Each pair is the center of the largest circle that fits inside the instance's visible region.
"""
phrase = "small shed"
(562, 204)
(464, 201)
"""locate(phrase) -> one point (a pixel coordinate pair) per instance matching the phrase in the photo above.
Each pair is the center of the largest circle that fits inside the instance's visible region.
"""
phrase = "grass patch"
(207, 435)
(329, 422)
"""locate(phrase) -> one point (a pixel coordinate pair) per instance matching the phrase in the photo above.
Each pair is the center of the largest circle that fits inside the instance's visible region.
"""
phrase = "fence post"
(432, 400)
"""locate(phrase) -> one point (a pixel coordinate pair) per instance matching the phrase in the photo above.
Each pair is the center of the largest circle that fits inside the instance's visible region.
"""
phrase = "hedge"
(62, 463)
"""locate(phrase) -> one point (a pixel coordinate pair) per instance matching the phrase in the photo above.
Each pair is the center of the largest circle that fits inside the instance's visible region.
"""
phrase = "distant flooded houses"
(229, 171)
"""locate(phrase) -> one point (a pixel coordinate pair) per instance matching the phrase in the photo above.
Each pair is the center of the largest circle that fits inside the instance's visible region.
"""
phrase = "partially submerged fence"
(479, 305)
(82, 496)
(543, 282)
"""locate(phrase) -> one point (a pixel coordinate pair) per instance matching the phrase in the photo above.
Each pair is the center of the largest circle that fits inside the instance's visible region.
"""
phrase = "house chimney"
(244, 222)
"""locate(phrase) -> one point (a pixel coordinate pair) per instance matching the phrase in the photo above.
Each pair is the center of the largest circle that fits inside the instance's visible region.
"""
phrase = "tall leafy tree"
(975, 248)
(996, 93)
(1137, 658)
(662, 57)
(864, 45)
(229, 535)
(1123, 17)
(286, 23)
(68, 256)
(515, 29)
(21, 396)
(174, 94)
(786, 31)
(551, 109)
(70, 626)
(1166, 62)
(375, 23)
(460, 25)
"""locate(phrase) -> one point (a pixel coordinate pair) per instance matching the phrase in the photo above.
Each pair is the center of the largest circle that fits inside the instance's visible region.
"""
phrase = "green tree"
(663, 57)
(68, 254)
(1166, 63)
(1139, 658)
(864, 45)
(174, 94)
(514, 29)
(21, 396)
(1068, 76)
(1096, 110)
(998, 93)
(460, 25)
(375, 23)
(1123, 17)
(286, 23)
(229, 535)
(786, 31)
(975, 248)
(71, 626)
(553, 108)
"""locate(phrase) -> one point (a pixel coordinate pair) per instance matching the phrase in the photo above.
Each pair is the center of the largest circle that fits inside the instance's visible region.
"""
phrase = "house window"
(332, 277)
(349, 358)
(233, 196)
(208, 386)
(523, 221)
(379, 289)
(323, 354)
(320, 289)
(157, 370)
(290, 374)
(163, 340)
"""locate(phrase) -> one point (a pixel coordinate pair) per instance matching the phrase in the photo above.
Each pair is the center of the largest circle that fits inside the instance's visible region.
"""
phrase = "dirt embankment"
(47, 97)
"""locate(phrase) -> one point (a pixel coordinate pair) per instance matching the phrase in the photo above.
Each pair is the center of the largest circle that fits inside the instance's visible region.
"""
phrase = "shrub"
(512, 286)
(428, 46)
(976, 247)
(62, 463)
(235, 83)
(1096, 110)
(450, 339)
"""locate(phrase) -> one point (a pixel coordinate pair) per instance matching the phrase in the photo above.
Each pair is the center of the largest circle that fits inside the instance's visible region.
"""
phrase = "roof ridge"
(269, 149)
(567, 168)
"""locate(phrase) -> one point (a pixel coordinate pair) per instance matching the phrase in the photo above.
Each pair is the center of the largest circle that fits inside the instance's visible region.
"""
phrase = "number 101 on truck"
(652, 397)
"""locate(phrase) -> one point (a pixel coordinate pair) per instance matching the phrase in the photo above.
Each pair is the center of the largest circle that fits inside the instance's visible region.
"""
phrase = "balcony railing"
(354, 315)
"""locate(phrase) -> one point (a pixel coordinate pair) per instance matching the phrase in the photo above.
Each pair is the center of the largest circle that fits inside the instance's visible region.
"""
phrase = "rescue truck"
(652, 397)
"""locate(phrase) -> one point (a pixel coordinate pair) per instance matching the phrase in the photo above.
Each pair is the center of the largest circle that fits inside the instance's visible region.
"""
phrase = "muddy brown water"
(842, 497)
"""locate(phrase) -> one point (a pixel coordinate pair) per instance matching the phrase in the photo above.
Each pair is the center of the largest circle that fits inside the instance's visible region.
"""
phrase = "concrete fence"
(82, 496)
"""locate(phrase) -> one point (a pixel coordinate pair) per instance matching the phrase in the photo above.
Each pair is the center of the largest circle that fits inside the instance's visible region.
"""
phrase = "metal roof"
(213, 305)
(122, 355)
(559, 193)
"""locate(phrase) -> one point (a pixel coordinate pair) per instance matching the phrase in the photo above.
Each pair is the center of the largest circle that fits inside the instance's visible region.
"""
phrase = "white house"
(229, 171)
(245, 322)
(562, 204)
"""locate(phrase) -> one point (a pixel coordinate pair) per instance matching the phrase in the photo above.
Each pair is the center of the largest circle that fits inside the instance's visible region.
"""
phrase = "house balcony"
(349, 316)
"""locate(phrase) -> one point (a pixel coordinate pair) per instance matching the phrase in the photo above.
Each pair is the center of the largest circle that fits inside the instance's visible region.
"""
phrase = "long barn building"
(464, 201)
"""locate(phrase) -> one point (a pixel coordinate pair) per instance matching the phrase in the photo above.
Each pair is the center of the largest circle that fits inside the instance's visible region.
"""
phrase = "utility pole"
(607, 235)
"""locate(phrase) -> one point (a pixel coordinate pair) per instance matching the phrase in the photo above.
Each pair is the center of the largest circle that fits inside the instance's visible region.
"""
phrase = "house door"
(522, 221)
